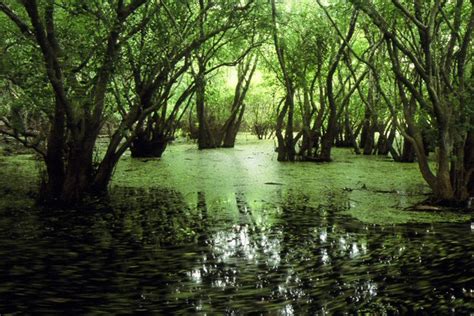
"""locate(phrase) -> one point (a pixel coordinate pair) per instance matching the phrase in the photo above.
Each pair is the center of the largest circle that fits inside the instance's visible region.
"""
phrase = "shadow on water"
(150, 251)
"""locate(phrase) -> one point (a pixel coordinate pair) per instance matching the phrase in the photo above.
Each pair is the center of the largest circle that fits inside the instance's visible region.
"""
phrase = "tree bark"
(205, 136)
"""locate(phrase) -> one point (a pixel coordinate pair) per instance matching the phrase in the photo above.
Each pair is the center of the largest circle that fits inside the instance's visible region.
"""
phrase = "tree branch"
(24, 28)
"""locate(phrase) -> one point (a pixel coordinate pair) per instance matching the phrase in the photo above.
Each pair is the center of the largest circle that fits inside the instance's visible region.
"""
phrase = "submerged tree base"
(392, 207)
(434, 204)
(314, 159)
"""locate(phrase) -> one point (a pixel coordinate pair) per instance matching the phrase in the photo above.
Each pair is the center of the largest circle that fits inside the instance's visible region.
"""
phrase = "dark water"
(151, 253)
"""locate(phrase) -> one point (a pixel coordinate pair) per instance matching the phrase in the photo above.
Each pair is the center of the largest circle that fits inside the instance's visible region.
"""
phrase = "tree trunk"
(245, 71)
(369, 140)
(349, 134)
(365, 129)
(286, 147)
(260, 130)
(52, 186)
(289, 139)
(143, 146)
(205, 136)
(327, 140)
(385, 143)
(469, 165)
(308, 134)
(78, 176)
(408, 152)
(105, 172)
(281, 146)
(233, 129)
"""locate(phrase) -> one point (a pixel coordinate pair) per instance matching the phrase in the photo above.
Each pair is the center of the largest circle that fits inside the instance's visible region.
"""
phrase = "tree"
(245, 72)
(261, 101)
(158, 64)
(79, 85)
(436, 45)
(286, 143)
(83, 60)
(241, 30)
(328, 139)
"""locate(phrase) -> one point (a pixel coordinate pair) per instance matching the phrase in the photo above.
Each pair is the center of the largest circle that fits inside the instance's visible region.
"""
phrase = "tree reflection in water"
(315, 259)
(150, 253)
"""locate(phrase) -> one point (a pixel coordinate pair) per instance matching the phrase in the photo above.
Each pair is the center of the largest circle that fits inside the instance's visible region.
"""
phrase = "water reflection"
(151, 252)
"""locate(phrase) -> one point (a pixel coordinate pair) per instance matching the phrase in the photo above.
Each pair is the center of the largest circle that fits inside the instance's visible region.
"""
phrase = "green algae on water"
(378, 189)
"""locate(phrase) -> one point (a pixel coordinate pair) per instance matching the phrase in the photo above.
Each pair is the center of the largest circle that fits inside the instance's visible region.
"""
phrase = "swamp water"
(235, 232)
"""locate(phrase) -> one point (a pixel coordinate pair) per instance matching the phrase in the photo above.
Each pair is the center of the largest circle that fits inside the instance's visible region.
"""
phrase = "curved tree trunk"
(230, 134)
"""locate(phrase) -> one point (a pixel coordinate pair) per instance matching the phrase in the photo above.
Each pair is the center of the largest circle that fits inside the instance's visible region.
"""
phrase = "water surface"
(235, 232)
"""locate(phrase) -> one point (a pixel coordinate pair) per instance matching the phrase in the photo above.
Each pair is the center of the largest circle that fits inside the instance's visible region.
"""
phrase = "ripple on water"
(233, 247)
